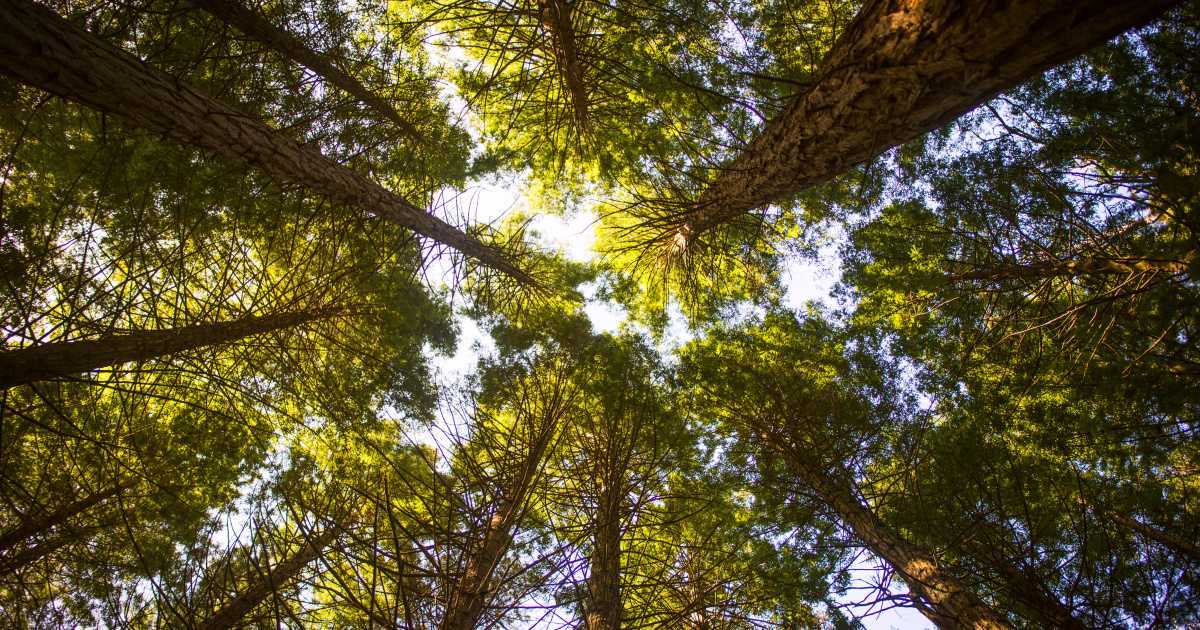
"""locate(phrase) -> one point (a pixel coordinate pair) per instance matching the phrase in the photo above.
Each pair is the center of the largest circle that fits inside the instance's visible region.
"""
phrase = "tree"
(818, 419)
(538, 408)
(993, 420)
(896, 73)
(48, 53)
(245, 20)
(311, 549)
(66, 358)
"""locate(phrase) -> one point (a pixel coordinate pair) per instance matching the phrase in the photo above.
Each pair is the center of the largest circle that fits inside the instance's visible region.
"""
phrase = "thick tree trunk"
(946, 601)
(239, 16)
(245, 601)
(603, 608)
(36, 526)
(467, 600)
(1022, 588)
(1086, 267)
(556, 19)
(41, 49)
(901, 69)
(66, 358)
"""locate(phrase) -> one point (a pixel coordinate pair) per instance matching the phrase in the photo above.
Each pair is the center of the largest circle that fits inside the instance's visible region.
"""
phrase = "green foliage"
(1008, 380)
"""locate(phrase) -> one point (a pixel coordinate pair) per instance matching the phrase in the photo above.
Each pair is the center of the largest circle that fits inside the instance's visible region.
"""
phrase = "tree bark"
(37, 526)
(1022, 588)
(903, 68)
(245, 601)
(603, 609)
(1085, 267)
(946, 602)
(66, 358)
(43, 50)
(556, 20)
(467, 600)
(239, 16)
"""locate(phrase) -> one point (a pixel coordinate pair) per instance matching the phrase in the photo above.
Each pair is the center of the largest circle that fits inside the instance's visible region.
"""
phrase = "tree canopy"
(238, 252)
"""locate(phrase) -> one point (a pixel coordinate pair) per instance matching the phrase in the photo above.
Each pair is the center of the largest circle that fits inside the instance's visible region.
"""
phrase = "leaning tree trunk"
(240, 16)
(37, 526)
(30, 555)
(469, 595)
(1174, 543)
(1023, 588)
(1084, 267)
(946, 602)
(40, 48)
(245, 601)
(901, 69)
(556, 20)
(67, 358)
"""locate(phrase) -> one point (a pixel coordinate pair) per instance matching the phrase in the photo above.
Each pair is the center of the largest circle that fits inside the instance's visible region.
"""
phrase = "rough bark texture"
(603, 608)
(41, 49)
(36, 526)
(239, 16)
(245, 601)
(67, 358)
(946, 601)
(1023, 588)
(556, 19)
(467, 600)
(1087, 267)
(903, 68)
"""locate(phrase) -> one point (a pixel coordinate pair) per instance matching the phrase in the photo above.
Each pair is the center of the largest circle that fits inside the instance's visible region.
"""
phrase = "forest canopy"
(238, 251)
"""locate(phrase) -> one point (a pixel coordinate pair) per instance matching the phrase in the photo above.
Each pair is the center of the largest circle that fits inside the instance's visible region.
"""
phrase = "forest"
(240, 242)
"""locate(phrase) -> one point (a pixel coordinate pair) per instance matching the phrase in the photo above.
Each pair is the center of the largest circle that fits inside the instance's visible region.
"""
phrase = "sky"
(575, 236)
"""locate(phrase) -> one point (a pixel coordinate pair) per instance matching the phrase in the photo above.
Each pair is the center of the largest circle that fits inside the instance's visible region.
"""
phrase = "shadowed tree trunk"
(603, 609)
(67, 358)
(467, 599)
(1022, 587)
(237, 15)
(37, 526)
(903, 68)
(32, 554)
(556, 19)
(947, 603)
(276, 576)
(1187, 548)
(43, 50)
(1086, 267)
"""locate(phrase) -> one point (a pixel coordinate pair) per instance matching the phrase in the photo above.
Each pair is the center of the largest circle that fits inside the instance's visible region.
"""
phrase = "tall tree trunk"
(1024, 589)
(946, 602)
(603, 608)
(239, 16)
(40, 48)
(903, 68)
(1187, 548)
(1085, 267)
(66, 358)
(467, 599)
(556, 20)
(699, 590)
(276, 576)
(36, 526)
